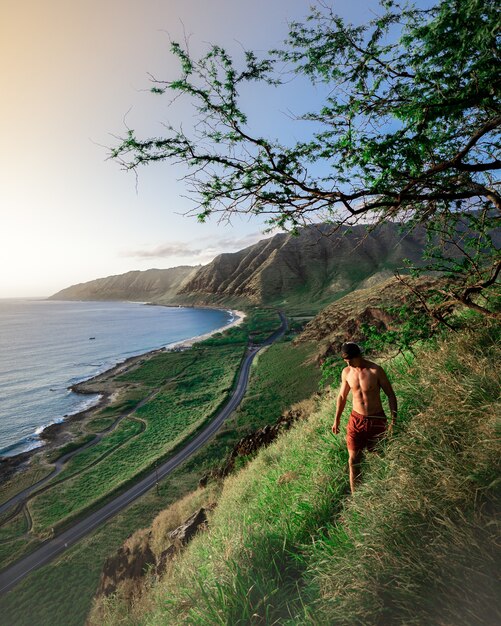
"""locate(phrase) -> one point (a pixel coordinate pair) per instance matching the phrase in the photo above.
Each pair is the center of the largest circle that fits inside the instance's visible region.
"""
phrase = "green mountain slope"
(344, 319)
(416, 544)
(304, 272)
(299, 273)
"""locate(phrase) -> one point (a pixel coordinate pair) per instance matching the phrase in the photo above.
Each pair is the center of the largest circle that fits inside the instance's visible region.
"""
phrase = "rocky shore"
(104, 384)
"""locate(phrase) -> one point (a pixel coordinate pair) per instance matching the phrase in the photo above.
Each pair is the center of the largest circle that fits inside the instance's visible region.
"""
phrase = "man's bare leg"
(354, 462)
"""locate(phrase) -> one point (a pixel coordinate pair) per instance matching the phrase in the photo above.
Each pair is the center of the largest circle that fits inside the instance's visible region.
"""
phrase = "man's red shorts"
(365, 431)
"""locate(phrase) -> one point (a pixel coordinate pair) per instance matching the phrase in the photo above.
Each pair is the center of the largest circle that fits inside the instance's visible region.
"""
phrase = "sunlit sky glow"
(72, 73)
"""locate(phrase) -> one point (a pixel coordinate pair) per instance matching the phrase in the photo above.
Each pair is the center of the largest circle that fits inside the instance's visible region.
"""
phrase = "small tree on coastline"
(409, 131)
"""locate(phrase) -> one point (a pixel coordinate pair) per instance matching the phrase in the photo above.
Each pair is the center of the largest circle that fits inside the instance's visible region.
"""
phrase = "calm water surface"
(46, 346)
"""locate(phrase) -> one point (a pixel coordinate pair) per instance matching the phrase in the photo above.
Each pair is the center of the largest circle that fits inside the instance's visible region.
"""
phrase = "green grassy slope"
(415, 545)
(282, 375)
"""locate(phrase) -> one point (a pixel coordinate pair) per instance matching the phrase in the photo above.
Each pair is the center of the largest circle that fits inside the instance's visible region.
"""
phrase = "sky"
(75, 75)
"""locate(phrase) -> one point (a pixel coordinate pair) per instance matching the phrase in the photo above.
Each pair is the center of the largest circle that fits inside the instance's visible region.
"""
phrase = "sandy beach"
(61, 433)
(239, 317)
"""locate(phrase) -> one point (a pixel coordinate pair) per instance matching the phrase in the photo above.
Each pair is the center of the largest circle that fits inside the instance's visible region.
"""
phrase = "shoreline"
(57, 434)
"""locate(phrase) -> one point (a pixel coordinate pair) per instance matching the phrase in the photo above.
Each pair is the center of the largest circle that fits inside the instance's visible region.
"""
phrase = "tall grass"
(247, 565)
(416, 544)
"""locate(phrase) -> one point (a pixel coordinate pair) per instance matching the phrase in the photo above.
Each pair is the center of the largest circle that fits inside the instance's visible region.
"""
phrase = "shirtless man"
(367, 423)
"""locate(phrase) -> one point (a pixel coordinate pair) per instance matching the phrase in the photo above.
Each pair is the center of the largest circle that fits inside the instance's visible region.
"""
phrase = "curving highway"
(53, 547)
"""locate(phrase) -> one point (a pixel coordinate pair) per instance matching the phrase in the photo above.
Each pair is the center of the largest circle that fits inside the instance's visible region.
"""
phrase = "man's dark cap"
(350, 350)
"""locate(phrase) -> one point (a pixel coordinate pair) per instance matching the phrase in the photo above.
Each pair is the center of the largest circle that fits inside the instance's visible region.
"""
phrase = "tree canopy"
(409, 129)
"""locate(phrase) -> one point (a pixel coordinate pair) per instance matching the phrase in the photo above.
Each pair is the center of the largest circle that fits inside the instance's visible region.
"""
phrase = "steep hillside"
(137, 286)
(305, 271)
(72, 580)
(342, 320)
(286, 544)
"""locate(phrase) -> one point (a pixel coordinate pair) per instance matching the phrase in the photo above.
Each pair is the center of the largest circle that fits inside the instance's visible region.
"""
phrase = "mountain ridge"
(134, 285)
(320, 264)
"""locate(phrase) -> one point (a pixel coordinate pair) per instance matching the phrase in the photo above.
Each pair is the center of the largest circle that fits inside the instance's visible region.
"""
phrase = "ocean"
(47, 346)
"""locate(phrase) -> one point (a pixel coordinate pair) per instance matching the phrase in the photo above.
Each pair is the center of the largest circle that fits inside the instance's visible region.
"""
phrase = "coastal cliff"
(317, 265)
(135, 286)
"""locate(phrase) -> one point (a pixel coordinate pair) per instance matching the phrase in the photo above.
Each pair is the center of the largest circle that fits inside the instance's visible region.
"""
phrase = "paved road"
(36, 488)
(52, 548)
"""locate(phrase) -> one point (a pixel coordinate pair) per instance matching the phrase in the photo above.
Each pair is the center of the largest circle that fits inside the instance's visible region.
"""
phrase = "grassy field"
(130, 396)
(272, 389)
(282, 375)
(416, 544)
(182, 405)
(22, 480)
(61, 593)
(16, 525)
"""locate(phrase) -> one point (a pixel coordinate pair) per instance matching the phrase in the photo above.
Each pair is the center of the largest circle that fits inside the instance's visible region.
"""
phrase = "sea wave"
(33, 440)
(30, 442)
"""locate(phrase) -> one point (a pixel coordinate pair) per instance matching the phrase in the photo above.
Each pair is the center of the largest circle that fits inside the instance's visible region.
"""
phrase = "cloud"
(236, 243)
(196, 250)
(175, 248)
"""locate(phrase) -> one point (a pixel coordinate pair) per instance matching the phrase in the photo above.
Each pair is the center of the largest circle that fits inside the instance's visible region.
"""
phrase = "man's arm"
(341, 401)
(388, 389)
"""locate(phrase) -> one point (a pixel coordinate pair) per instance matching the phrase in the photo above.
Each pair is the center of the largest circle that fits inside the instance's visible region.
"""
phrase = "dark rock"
(185, 533)
(126, 564)
(182, 535)
(9, 465)
(164, 558)
(132, 563)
